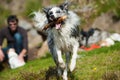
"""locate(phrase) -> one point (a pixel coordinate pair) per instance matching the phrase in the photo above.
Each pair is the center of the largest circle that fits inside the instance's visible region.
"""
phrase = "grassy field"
(99, 64)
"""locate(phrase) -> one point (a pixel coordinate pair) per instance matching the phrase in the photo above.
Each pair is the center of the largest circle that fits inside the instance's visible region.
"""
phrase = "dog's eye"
(51, 13)
(57, 11)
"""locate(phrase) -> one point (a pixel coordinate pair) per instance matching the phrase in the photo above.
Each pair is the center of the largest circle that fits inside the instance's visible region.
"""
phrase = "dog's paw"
(65, 75)
(72, 65)
(62, 65)
(59, 70)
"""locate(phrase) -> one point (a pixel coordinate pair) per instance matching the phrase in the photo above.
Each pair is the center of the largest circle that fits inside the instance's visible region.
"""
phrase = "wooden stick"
(55, 22)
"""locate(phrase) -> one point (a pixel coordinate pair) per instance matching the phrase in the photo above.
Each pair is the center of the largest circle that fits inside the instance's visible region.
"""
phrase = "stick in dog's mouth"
(57, 23)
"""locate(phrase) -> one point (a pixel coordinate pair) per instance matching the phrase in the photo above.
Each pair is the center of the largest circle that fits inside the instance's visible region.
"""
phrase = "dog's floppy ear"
(45, 10)
(65, 6)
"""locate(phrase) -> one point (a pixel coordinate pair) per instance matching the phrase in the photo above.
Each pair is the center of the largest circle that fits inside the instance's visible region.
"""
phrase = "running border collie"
(63, 36)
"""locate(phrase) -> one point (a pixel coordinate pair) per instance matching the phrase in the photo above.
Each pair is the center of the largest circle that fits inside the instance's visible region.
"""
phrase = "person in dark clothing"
(16, 38)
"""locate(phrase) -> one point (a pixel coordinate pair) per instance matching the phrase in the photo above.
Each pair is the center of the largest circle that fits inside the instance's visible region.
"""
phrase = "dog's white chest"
(63, 40)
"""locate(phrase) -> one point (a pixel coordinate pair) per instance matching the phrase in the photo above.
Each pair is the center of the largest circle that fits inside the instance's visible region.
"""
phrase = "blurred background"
(102, 14)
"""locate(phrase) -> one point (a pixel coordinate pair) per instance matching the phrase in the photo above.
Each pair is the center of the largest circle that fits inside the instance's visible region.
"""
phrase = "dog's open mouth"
(58, 26)
(57, 23)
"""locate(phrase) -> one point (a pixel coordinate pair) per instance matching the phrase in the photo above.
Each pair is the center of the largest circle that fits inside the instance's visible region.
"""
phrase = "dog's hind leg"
(67, 55)
(54, 55)
(74, 57)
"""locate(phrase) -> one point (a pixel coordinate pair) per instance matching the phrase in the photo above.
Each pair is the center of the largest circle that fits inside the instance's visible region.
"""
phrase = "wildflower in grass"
(94, 69)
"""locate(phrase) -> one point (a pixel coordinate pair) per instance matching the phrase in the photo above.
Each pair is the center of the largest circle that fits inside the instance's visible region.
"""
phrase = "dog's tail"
(40, 20)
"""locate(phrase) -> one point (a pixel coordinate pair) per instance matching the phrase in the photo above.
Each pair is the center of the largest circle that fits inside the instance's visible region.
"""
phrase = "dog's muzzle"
(57, 25)
(52, 17)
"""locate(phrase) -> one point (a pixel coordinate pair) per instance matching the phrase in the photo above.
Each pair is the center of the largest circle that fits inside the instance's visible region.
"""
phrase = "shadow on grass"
(48, 74)
(51, 74)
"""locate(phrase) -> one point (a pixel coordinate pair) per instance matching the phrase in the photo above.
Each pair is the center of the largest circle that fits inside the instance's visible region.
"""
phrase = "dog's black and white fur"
(62, 37)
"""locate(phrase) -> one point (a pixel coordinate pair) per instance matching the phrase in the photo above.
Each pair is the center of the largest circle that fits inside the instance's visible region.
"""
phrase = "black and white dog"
(63, 37)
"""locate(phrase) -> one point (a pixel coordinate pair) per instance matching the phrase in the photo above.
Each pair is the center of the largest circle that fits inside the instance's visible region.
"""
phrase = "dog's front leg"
(60, 59)
(65, 72)
(74, 57)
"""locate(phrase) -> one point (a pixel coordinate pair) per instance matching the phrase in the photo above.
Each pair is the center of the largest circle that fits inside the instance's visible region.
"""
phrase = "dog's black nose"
(52, 16)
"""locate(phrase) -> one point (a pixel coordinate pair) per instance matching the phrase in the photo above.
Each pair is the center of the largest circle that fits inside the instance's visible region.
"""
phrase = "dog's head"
(53, 16)
(55, 12)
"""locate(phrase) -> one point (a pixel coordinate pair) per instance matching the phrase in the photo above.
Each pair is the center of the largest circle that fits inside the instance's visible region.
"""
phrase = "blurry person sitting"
(16, 39)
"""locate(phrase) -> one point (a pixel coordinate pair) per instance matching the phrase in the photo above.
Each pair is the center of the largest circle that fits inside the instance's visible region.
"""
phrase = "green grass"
(99, 64)
(94, 67)
(31, 66)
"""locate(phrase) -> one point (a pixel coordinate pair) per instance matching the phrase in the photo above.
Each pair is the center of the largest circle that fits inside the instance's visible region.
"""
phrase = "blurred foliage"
(89, 10)
(55, 1)
(35, 5)
(4, 13)
(32, 5)
(98, 7)
(103, 6)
